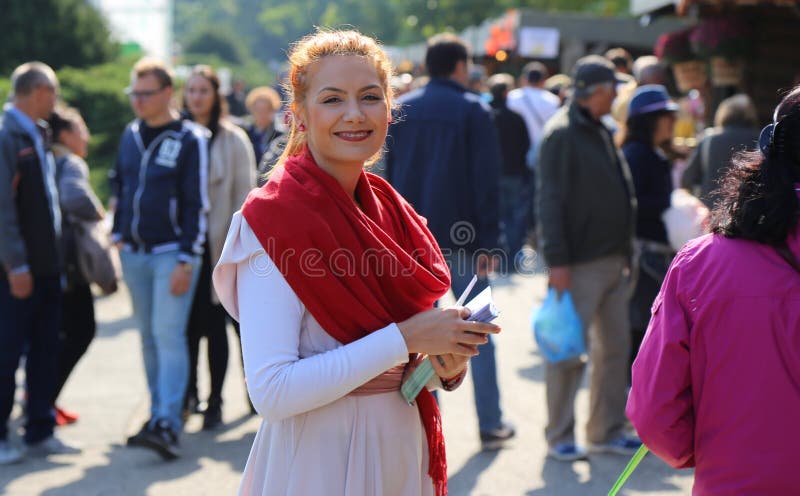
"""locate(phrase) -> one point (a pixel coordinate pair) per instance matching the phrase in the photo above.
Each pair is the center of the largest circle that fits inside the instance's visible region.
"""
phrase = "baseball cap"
(591, 70)
(650, 98)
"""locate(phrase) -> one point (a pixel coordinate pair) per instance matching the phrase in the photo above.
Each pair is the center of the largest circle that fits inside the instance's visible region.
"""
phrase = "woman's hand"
(444, 331)
(450, 365)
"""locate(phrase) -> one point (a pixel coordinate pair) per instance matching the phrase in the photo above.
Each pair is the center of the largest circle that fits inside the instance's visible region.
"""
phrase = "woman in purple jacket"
(716, 384)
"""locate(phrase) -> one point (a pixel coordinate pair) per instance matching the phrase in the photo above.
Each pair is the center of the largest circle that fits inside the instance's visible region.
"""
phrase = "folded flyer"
(482, 309)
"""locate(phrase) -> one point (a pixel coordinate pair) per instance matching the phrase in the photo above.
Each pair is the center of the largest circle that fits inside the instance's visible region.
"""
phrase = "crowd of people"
(468, 170)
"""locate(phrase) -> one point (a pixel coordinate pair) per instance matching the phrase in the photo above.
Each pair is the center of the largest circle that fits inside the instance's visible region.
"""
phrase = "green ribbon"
(632, 464)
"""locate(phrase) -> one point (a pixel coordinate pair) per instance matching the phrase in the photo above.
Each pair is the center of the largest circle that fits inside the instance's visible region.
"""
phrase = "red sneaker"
(65, 417)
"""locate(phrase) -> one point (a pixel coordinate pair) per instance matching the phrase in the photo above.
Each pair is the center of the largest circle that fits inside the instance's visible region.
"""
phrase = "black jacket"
(514, 139)
(27, 232)
(652, 178)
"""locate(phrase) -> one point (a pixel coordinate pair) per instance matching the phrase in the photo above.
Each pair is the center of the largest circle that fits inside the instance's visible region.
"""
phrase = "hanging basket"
(690, 75)
(726, 72)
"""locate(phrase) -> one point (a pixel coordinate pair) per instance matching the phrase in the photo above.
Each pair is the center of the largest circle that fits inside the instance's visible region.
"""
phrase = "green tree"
(267, 27)
(214, 41)
(58, 32)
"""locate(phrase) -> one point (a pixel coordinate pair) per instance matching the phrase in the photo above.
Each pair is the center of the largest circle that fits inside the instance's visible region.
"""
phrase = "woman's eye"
(372, 98)
(331, 99)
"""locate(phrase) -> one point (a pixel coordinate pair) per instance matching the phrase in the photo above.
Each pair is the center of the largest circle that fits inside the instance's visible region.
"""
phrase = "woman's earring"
(301, 127)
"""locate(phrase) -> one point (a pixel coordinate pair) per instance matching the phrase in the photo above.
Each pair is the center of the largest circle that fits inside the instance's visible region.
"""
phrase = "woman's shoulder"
(634, 147)
(719, 264)
(72, 165)
(241, 242)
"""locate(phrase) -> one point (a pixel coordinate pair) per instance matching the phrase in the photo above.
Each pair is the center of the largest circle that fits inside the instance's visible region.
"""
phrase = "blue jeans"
(516, 197)
(162, 319)
(482, 366)
(34, 321)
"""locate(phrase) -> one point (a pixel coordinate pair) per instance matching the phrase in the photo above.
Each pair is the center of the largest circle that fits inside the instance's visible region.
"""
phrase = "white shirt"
(536, 106)
(316, 438)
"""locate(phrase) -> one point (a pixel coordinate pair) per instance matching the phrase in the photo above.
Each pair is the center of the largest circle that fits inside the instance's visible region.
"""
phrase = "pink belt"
(385, 383)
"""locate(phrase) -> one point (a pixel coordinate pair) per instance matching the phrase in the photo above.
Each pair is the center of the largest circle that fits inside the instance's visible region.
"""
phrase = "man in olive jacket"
(586, 212)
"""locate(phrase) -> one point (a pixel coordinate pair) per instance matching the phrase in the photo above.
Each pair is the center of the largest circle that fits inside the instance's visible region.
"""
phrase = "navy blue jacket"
(161, 190)
(444, 158)
(652, 180)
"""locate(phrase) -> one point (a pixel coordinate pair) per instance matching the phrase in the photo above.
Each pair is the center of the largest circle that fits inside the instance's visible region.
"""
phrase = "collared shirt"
(46, 160)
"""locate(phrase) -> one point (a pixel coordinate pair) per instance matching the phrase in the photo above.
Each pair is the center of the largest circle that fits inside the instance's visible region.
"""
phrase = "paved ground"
(108, 390)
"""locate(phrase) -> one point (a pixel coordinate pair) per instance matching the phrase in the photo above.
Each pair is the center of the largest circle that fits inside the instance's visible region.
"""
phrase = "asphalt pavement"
(108, 390)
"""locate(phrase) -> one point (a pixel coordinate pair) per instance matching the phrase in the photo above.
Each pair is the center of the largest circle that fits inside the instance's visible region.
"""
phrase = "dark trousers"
(207, 320)
(33, 322)
(78, 328)
(652, 269)
(516, 195)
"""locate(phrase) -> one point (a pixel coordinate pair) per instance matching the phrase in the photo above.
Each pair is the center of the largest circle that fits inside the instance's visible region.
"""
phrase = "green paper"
(632, 464)
(417, 380)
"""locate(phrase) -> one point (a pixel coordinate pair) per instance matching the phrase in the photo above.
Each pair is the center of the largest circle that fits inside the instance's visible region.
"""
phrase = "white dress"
(316, 439)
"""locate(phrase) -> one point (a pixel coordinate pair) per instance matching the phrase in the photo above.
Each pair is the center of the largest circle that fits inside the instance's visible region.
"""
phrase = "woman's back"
(731, 309)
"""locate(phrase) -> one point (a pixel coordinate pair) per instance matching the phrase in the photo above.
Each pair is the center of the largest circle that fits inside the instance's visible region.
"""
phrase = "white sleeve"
(280, 383)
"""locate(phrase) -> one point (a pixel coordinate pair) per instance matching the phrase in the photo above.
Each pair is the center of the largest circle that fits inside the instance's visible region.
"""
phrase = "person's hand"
(486, 265)
(560, 278)
(180, 280)
(21, 284)
(444, 331)
(450, 365)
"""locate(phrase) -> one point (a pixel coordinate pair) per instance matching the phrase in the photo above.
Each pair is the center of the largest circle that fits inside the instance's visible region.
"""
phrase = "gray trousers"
(600, 293)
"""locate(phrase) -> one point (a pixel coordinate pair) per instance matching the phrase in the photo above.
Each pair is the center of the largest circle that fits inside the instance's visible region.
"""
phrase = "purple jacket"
(716, 384)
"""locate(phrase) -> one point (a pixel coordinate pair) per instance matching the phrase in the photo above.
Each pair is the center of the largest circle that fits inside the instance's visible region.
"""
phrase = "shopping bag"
(557, 328)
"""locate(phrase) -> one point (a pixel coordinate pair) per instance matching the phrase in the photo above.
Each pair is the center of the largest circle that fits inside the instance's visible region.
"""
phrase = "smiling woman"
(325, 349)
(345, 114)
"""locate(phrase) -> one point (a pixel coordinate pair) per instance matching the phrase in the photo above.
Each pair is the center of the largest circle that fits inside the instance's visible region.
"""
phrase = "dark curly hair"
(757, 195)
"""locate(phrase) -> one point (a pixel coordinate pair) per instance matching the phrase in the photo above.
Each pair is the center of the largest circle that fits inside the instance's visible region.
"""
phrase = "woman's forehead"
(343, 71)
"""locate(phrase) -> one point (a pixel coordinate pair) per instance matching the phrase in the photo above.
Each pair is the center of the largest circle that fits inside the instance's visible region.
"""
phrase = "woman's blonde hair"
(263, 93)
(315, 47)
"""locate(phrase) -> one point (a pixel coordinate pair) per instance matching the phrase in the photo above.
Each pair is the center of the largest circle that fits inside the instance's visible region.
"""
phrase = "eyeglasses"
(142, 95)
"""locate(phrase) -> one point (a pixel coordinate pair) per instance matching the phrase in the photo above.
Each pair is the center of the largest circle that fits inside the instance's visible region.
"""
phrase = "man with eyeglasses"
(30, 272)
(586, 212)
(159, 182)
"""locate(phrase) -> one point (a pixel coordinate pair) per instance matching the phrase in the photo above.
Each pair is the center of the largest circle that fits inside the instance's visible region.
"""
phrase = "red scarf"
(356, 270)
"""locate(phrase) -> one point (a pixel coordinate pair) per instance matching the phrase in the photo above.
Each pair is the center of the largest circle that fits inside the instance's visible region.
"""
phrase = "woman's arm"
(660, 403)
(281, 384)
(74, 192)
(244, 167)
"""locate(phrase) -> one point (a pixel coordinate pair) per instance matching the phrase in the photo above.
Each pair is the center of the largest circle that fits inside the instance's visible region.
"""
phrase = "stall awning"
(639, 7)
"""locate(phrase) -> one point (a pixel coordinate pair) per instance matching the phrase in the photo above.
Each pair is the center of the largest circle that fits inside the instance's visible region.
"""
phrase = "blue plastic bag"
(557, 328)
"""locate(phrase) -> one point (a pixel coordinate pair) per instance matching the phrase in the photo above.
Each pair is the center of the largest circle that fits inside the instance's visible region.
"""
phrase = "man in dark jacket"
(30, 276)
(586, 208)
(444, 157)
(735, 130)
(516, 193)
(160, 182)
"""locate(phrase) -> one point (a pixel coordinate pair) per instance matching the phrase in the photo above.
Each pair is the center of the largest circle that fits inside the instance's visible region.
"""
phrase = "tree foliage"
(215, 41)
(58, 32)
(269, 26)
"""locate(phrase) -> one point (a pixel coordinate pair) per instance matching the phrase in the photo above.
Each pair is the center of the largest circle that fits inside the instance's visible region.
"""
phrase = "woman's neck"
(346, 175)
(203, 120)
